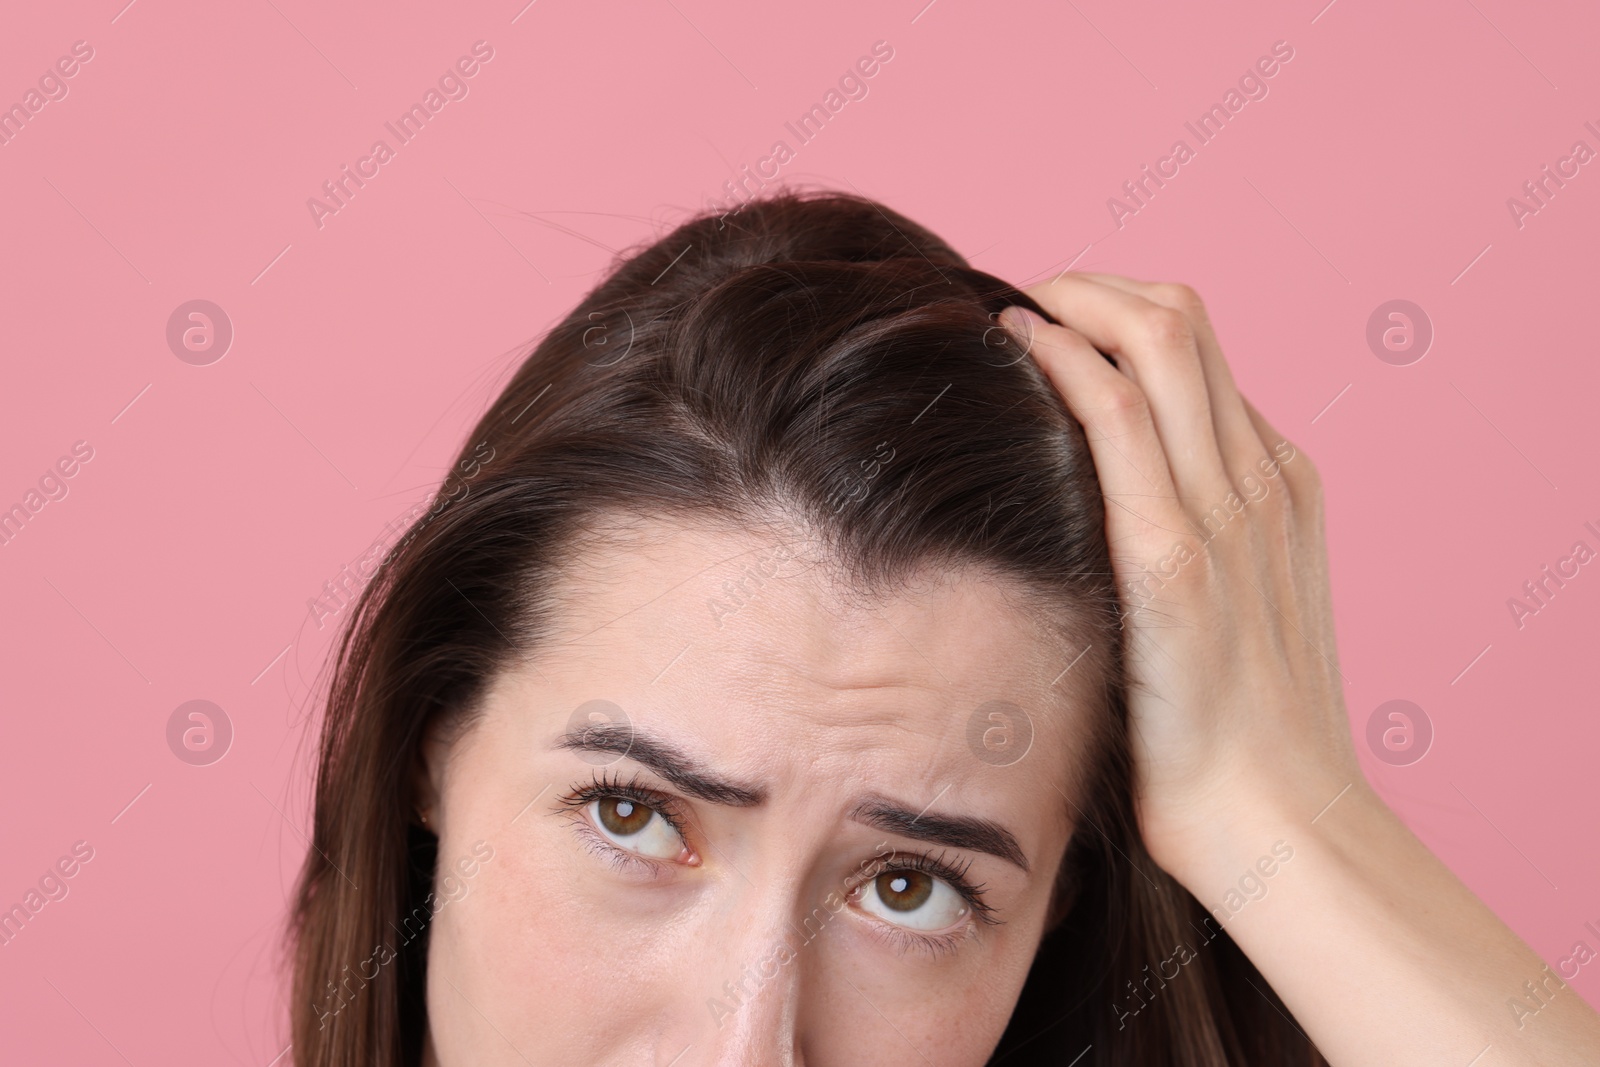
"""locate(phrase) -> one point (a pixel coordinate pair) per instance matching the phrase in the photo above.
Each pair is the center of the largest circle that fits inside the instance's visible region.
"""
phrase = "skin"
(1241, 738)
(551, 953)
(1241, 733)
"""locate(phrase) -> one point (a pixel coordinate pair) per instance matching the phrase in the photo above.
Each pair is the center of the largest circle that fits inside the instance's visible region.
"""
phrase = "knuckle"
(1166, 328)
(1305, 487)
(1307, 474)
(1121, 399)
(1180, 296)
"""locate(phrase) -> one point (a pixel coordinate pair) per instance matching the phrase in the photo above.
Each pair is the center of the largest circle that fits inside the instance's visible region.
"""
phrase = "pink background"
(180, 564)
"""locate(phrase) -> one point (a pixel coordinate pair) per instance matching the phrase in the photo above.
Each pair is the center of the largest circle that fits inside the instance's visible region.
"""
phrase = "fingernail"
(1022, 320)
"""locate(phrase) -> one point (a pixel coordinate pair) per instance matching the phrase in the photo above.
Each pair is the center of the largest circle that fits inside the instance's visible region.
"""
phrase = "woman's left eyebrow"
(956, 831)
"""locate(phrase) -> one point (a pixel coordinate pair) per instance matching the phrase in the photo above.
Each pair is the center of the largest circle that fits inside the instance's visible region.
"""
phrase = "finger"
(1156, 347)
(1142, 507)
(1241, 445)
(1299, 475)
(1309, 566)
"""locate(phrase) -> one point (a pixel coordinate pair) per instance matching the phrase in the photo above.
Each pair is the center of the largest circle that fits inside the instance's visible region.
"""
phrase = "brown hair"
(740, 368)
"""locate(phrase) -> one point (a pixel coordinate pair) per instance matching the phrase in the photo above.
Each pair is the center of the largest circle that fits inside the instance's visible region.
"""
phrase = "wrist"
(1253, 824)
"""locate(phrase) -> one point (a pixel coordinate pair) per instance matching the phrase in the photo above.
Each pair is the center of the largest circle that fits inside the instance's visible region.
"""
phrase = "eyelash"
(603, 786)
(956, 877)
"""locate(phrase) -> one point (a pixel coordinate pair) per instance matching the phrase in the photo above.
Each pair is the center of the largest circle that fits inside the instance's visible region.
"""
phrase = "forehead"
(750, 642)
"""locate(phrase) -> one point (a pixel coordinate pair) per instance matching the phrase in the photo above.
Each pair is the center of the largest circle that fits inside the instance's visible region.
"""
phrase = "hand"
(1214, 521)
(1237, 715)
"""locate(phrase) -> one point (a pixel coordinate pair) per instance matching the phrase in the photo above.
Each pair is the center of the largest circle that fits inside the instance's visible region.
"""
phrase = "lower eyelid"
(620, 857)
(907, 941)
(900, 938)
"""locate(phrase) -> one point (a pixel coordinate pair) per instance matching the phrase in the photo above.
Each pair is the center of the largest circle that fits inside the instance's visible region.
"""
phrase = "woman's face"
(727, 818)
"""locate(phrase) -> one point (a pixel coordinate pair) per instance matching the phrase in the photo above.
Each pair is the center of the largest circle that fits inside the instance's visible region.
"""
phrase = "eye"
(636, 827)
(913, 899)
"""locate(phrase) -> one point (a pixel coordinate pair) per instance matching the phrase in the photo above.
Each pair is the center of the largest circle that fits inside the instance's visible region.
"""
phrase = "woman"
(826, 655)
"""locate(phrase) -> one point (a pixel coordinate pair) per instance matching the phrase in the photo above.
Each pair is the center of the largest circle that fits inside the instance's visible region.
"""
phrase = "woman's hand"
(1243, 756)
(1214, 521)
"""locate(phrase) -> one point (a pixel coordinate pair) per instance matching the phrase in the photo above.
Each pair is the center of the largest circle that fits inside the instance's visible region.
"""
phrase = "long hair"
(743, 368)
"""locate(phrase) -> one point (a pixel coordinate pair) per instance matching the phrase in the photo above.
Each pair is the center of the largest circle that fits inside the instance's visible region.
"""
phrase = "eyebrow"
(627, 741)
(667, 760)
(956, 831)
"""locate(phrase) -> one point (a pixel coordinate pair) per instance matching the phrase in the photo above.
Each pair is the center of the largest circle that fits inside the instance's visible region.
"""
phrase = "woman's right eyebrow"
(627, 741)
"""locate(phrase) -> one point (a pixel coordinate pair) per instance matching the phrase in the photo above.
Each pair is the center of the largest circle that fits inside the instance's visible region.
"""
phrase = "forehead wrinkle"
(804, 645)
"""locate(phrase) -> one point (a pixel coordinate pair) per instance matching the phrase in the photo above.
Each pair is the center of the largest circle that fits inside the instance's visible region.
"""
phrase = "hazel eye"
(913, 899)
(636, 827)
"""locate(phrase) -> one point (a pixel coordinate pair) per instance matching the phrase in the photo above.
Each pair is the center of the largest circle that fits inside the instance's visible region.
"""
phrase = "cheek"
(574, 966)
(548, 947)
(952, 1008)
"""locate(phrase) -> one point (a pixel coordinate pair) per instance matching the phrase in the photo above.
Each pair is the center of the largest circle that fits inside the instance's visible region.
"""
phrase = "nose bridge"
(752, 986)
